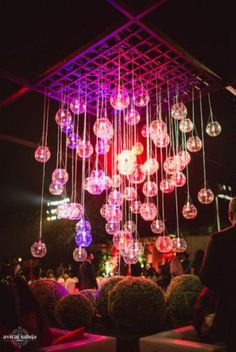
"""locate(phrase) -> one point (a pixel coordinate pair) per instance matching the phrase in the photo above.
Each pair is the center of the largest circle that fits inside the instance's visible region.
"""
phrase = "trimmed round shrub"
(47, 293)
(137, 305)
(91, 294)
(102, 295)
(74, 311)
(181, 295)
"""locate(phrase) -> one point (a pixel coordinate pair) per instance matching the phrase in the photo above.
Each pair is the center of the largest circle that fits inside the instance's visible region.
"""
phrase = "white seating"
(183, 339)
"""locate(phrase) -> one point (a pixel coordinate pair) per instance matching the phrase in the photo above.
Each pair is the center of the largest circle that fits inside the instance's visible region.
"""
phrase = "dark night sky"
(34, 35)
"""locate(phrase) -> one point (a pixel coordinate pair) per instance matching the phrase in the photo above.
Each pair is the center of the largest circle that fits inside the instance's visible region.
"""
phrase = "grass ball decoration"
(102, 295)
(74, 311)
(181, 295)
(91, 294)
(48, 293)
(137, 305)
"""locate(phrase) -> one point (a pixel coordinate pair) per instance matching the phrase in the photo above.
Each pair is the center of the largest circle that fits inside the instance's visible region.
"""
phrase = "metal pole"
(217, 213)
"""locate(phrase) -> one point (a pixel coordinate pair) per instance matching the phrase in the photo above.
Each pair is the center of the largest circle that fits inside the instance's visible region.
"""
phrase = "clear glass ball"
(185, 156)
(75, 210)
(178, 178)
(130, 193)
(119, 99)
(150, 166)
(186, 125)
(60, 176)
(170, 165)
(107, 183)
(157, 129)
(38, 249)
(135, 206)
(63, 117)
(122, 239)
(179, 245)
(130, 226)
(111, 228)
(145, 131)
(194, 144)
(161, 141)
(131, 254)
(83, 238)
(150, 189)
(56, 189)
(141, 97)
(148, 211)
(180, 162)
(42, 154)
(102, 146)
(83, 225)
(205, 196)
(178, 111)
(105, 209)
(84, 149)
(72, 140)
(79, 254)
(138, 176)
(167, 186)
(67, 128)
(189, 211)
(213, 129)
(77, 105)
(116, 181)
(132, 117)
(63, 211)
(103, 129)
(115, 198)
(113, 214)
(164, 244)
(157, 226)
(93, 185)
(138, 148)
(138, 248)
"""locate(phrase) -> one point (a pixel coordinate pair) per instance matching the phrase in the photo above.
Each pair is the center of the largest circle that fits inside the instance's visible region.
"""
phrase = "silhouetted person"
(87, 277)
(176, 267)
(219, 272)
(197, 262)
(186, 263)
(151, 271)
(165, 275)
(60, 270)
(136, 269)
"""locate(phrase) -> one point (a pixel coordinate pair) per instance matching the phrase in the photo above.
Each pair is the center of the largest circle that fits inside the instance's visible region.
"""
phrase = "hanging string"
(203, 140)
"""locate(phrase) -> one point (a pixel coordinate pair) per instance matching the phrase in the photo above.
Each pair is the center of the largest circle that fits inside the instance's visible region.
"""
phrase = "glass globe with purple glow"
(103, 129)
(84, 149)
(77, 105)
(157, 226)
(56, 189)
(164, 244)
(178, 111)
(63, 117)
(115, 198)
(42, 154)
(119, 99)
(83, 238)
(83, 225)
(72, 140)
(132, 117)
(38, 249)
(205, 196)
(102, 146)
(60, 176)
(79, 254)
(148, 211)
(67, 128)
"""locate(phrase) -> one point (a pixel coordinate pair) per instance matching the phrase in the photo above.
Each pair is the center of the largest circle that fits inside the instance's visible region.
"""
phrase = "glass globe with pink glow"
(113, 214)
(205, 196)
(138, 247)
(138, 176)
(180, 162)
(103, 129)
(131, 254)
(84, 149)
(135, 206)
(161, 141)
(157, 128)
(75, 211)
(38, 249)
(213, 128)
(164, 244)
(130, 193)
(150, 166)
(107, 183)
(194, 144)
(116, 181)
(150, 189)
(137, 148)
(105, 209)
(189, 210)
(77, 105)
(79, 254)
(94, 185)
(72, 140)
(56, 189)
(178, 178)
(186, 125)
(179, 245)
(63, 117)
(102, 146)
(63, 211)
(130, 226)
(185, 157)
(115, 198)
(157, 226)
(119, 99)
(60, 176)
(111, 228)
(170, 165)
(148, 211)
(167, 185)
(42, 154)
(122, 238)
(145, 131)
(141, 97)
(178, 111)
(132, 117)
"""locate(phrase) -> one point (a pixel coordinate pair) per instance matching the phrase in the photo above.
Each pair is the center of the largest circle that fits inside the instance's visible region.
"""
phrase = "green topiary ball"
(102, 295)
(91, 294)
(74, 311)
(47, 293)
(181, 295)
(137, 305)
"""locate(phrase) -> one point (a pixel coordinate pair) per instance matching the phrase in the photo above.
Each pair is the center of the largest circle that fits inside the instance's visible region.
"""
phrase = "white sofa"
(184, 339)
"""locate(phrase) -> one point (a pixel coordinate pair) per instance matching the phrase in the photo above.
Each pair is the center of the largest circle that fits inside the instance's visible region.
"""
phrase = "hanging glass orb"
(63, 117)
(77, 105)
(138, 247)
(158, 128)
(56, 189)
(137, 149)
(178, 111)
(186, 125)
(67, 128)
(132, 117)
(60, 176)
(130, 226)
(126, 168)
(157, 226)
(164, 244)
(84, 149)
(213, 128)
(72, 140)
(38, 249)
(120, 98)
(141, 97)
(150, 189)
(189, 211)
(130, 193)
(150, 166)
(179, 245)
(107, 183)
(102, 146)
(83, 225)
(148, 211)
(63, 211)
(103, 129)
(126, 162)
(178, 178)
(131, 254)
(116, 181)
(126, 156)
(185, 157)
(145, 131)
(194, 144)
(93, 187)
(83, 238)
(167, 185)
(42, 154)
(105, 209)
(113, 214)
(115, 198)
(135, 206)
(170, 165)
(180, 162)
(75, 211)
(79, 254)
(162, 140)
(122, 238)
(205, 196)
(138, 176)
(111, 228)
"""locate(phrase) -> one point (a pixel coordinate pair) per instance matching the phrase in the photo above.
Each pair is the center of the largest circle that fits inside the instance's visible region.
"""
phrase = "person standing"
(176, 267)
(87, 277)
(218, 273)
